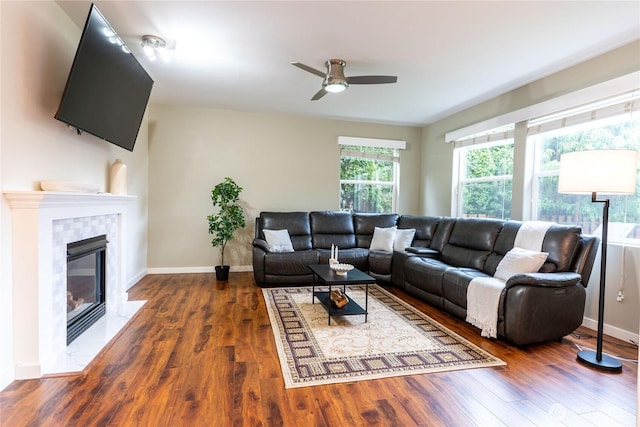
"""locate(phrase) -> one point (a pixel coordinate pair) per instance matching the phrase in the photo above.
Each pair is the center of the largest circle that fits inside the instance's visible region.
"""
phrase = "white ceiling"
(448, 55)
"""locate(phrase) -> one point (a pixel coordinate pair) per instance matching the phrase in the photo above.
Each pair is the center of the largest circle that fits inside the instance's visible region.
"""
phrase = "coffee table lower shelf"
(351, 308)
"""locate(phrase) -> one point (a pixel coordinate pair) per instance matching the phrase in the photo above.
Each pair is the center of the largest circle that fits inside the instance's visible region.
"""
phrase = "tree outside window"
(368, 179)
(486, 174)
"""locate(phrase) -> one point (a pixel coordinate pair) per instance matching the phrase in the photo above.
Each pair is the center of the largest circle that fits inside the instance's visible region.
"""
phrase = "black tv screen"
(107, 90)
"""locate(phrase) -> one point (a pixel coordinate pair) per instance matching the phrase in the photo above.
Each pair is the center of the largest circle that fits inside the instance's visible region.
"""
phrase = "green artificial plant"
(230, 216)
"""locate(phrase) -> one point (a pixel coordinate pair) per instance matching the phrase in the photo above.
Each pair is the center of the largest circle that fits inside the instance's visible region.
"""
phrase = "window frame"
(395, 145)
(477, 142)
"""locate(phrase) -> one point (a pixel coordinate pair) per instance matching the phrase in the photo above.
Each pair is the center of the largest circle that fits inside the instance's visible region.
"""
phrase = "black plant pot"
(222, 273)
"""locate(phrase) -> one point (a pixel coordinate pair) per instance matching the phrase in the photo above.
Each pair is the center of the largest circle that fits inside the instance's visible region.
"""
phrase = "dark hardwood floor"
(202, 353)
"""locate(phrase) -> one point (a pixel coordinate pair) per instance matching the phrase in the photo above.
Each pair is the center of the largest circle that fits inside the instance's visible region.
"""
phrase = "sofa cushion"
(380, 263)
(425, 227)
(382, 239)
(503, 244)
(332, 228)
(278, 240)
(470, 242)
(289, 263)
(358, 257)
(561, 243)
(365, 223)
(403, 238)
(519, 260)
(297, 224)
(425, 274)
(442, 233)
(455, 282)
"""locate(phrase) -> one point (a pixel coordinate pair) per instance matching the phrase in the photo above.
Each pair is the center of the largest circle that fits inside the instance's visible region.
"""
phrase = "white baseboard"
(186, 270)
(135, 279)
(612, 331)
(6, 378)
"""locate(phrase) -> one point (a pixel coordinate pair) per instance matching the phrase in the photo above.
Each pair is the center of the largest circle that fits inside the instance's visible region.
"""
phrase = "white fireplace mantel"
(65, 200)
(38, 305)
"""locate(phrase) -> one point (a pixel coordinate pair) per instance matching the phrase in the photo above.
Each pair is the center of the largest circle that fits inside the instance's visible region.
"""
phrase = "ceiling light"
(335, 80)
(335, 87)
(154, 47)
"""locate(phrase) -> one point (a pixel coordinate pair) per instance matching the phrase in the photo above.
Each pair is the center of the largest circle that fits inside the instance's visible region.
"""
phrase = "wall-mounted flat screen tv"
(107, 90)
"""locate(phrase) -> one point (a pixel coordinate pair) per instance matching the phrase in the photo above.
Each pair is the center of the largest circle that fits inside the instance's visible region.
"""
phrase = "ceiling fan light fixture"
(335, 87)
(154, 47)
(335, 81)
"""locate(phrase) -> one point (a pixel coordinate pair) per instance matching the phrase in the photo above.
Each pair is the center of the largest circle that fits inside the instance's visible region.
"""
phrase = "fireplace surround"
(43, 224)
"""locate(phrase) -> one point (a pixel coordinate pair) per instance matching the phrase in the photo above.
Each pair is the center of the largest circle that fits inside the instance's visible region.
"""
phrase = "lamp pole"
(597, 359)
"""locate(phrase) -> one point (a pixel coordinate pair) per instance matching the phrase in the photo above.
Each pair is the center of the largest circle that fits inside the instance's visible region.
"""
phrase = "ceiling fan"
(335, 81)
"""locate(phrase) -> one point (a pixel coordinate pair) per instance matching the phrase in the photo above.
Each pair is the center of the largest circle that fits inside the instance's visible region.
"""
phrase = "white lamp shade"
(598, 171)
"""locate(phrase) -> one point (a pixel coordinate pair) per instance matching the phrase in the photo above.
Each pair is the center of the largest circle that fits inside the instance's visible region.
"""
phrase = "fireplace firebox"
(85, 284)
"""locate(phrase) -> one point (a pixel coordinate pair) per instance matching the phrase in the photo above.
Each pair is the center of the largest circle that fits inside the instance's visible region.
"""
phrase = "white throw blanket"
(531, 234)
(483, 298)
(483, 293)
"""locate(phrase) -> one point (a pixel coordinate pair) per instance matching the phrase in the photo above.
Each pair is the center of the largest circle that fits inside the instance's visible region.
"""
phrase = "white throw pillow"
(278, 240)
(383, 239)
(403, 239)
(519, 260)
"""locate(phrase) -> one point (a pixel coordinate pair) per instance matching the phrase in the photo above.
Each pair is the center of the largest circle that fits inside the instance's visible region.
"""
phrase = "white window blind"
(493, 135)
(372, 142)
(627, 103)
(373, 156)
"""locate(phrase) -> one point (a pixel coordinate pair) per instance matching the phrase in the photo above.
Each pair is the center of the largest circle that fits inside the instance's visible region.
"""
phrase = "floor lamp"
(605, 172)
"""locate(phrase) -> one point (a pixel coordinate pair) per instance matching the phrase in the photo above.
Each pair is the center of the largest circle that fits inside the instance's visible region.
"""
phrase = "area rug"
(396, 340)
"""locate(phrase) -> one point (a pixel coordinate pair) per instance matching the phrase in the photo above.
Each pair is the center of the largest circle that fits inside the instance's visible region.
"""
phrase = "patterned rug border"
(318, 369)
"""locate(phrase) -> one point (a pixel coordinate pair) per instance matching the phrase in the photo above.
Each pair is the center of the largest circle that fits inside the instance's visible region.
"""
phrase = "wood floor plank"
(305, 407)
(473, 390)
(419, 409)
(202, 353)
(247, 403)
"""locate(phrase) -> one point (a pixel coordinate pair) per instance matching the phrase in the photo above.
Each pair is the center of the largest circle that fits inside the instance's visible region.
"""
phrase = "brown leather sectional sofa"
(445, 255)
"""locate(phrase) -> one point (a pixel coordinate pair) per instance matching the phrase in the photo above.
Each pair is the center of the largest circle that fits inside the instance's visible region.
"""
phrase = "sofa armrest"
(261, 243)
(538, 307)
(423, 252)
(547, 280)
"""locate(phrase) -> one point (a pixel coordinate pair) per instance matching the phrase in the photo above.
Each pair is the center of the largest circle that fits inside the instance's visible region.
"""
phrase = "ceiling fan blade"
(371, 80)
(319, 94)
(312, 70)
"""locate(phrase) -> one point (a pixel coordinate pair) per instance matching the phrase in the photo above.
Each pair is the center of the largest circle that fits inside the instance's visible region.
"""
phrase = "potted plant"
(228, 219)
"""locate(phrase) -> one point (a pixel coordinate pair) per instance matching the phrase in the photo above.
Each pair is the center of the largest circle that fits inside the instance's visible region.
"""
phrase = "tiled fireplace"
(43, 224)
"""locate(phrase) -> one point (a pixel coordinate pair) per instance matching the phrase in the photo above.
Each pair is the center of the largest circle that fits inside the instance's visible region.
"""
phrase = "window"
(369, 171)
(485, 174)
(607, 124)
(483, 165)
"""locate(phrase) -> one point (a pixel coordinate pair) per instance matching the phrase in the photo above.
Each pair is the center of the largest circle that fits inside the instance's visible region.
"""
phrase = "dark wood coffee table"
(325, 276)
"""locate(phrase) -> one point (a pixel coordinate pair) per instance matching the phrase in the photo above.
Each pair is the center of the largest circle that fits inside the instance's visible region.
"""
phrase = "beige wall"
(38, 42)
(283, 162)
(437, 160)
